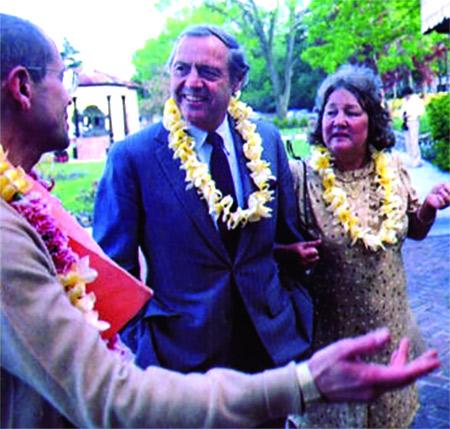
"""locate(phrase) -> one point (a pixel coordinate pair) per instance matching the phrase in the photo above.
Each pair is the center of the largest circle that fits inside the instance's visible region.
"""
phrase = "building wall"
(97, 96)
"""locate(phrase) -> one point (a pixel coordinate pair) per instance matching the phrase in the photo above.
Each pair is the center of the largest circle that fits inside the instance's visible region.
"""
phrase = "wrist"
(426, 218)
(309, 391)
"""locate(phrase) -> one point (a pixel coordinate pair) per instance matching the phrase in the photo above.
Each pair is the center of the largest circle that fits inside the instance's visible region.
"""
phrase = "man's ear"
(237, 86)
(18, 85)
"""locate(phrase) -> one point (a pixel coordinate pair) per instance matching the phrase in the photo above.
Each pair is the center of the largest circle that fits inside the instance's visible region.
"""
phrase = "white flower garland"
(337, 202)
(197, 173)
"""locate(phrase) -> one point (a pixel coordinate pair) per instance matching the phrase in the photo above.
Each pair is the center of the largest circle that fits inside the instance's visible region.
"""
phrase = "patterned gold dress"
(356, 290)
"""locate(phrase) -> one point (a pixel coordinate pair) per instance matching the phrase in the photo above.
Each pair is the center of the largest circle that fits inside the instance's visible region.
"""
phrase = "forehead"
(342, 96)
(56, 60)
(207, 50)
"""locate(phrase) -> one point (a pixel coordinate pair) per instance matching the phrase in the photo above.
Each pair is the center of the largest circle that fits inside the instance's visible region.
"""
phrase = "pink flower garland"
(36, 212)
(73, 273)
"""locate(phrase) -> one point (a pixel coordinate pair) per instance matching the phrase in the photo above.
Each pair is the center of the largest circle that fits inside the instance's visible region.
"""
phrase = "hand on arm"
(422, 220)
(301, 255)
(341, 375)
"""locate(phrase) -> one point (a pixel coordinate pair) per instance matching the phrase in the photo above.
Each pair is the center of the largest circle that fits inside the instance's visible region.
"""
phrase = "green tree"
(69, 55)
(275, 29)
(294, 78)
(383, 34)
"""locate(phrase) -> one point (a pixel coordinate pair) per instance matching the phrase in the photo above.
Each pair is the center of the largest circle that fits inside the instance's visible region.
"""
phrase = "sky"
(106, 32)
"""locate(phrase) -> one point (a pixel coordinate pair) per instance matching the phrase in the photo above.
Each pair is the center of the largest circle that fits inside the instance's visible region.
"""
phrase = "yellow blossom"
(197, 174)
(336, 200)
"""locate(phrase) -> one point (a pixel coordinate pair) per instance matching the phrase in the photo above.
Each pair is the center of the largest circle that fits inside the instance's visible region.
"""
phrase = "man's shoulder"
(21, 237)
(265, 126)
(142, 140)
(8, 216)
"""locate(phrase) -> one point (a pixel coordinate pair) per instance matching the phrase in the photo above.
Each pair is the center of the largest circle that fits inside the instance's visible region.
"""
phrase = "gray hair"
(366, 86)
(237, 62)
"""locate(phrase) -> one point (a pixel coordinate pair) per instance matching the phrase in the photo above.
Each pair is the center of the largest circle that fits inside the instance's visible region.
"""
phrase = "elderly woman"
(357, 198)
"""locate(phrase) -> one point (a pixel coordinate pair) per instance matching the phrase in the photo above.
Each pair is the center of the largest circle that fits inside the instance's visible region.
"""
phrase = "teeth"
(193, 98)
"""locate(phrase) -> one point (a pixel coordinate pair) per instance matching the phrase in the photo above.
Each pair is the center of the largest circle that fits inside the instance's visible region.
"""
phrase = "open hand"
(341, 375)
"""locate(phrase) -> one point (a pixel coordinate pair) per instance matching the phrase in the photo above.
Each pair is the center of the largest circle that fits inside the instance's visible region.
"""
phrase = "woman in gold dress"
(357, 198)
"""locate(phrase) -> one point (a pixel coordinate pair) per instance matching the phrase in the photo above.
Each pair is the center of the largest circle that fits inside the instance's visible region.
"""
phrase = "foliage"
(383, 34)
(438, 111)
(275, 29)
(273, 39)
(442, 159)
(69, 55)
(75, 184)
(294, 122)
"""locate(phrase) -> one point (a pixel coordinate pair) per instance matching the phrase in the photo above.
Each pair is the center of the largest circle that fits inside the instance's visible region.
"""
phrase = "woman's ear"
(18, 85)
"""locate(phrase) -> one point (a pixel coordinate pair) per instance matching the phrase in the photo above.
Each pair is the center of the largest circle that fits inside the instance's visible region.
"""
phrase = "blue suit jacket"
(142, 201)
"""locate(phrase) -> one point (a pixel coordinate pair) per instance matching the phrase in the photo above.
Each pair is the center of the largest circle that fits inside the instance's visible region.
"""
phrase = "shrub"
(442, 159)
(290, 122)
(438, 110)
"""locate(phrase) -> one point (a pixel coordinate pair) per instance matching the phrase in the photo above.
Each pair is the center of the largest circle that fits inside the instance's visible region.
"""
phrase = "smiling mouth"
(194, 98)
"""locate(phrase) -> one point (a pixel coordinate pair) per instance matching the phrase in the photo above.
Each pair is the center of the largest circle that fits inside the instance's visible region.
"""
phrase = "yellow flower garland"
(197, 174)
(337, 203)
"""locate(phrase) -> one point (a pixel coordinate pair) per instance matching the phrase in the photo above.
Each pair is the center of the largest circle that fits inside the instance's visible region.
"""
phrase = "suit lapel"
(247, 183)
(195, 207)
(247, 187)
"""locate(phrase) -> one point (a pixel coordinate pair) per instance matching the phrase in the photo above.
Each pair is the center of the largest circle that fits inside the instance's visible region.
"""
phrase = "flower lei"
(73, 272)
(337, 203)
(197, 174)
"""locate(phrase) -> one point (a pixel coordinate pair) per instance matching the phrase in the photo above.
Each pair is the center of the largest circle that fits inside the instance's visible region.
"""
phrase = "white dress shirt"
(204, 151)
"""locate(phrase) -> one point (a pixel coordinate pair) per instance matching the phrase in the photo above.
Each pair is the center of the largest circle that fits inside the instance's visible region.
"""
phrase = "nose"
(340, 119)
(193, 79)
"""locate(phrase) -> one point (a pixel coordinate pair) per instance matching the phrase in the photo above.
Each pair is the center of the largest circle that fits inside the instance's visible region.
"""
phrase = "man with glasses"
(55, 369)
(68, 76)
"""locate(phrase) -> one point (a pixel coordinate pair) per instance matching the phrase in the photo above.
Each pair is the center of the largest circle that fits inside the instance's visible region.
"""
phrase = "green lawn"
(74, 182)
(298, 138)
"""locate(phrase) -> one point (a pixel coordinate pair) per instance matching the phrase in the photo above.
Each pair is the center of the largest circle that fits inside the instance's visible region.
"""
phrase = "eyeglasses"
(68, 77)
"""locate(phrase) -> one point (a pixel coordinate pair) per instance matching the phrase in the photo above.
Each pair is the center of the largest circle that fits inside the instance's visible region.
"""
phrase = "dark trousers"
(248, 353)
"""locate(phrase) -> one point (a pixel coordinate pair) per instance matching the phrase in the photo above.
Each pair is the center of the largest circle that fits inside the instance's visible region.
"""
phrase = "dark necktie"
(221, 173)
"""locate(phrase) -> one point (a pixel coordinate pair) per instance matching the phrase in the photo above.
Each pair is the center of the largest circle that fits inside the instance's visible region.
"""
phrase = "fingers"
(308, 251)
(396, 376)
(441, 193)
(312, 243)
(400, 356)
(366, 344)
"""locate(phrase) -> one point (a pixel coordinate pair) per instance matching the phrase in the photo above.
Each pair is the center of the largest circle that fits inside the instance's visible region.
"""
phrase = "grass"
(74, 182)
(298, 138)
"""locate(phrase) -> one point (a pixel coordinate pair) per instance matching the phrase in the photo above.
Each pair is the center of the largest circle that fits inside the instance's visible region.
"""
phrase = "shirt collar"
(200, 135)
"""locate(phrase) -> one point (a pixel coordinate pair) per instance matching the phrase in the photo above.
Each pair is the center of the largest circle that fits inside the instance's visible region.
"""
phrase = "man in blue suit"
(206, 212)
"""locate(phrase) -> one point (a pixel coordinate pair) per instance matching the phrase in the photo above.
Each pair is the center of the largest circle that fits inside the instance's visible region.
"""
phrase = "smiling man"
(205, 194)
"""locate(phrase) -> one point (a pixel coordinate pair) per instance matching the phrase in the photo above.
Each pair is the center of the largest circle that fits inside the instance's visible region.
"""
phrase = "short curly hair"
(366, 86)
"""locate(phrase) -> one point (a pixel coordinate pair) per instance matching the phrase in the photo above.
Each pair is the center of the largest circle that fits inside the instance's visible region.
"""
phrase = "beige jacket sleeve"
(46, 344)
